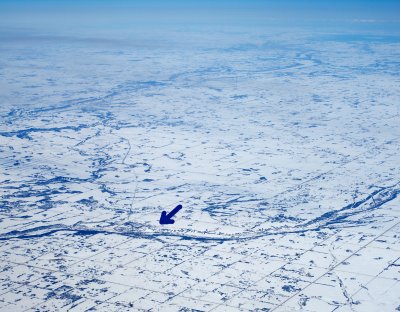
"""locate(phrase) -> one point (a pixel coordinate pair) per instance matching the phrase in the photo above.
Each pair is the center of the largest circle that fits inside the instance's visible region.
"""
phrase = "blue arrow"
(166, 218)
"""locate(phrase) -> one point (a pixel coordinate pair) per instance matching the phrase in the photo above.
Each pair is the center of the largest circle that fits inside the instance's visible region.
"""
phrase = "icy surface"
(283, 148)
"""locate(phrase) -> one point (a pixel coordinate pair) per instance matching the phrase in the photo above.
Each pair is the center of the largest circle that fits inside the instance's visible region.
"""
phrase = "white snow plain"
(282, 147)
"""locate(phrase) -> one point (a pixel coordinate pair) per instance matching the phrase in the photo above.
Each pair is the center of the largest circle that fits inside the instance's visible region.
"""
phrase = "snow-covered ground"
(282, 147)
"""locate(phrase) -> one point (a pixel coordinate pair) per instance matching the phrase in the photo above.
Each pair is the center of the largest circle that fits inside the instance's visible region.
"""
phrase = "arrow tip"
(164, 219)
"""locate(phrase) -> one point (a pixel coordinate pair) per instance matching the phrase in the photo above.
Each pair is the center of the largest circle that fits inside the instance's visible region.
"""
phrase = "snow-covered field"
(282, 146)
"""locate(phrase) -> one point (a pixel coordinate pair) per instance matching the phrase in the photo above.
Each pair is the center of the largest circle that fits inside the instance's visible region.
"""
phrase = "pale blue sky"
(111, 13)
(311, 8)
